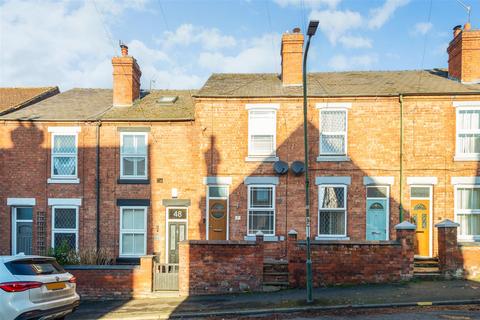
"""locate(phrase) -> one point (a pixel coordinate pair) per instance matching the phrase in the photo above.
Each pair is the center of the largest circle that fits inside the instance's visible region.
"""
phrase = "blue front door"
(376, 219)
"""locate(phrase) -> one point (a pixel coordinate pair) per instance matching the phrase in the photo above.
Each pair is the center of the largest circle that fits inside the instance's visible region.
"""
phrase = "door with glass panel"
(420, 215)
(377, 213)
(177, 233)
(217, 212)
(22, 220)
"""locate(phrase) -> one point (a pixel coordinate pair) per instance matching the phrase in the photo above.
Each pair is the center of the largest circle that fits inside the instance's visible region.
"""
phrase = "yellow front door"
(420, 215)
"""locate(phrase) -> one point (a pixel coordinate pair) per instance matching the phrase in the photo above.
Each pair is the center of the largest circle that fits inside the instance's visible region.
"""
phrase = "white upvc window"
(333, 131)
(467, 211)
(332, 212)
(261, 210)
(133, 231)
(64, 163)
(65, 226)
(133, 155)
(468, 132)
(262, 125)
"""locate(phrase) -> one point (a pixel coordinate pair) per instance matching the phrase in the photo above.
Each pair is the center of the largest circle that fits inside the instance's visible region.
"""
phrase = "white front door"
(22, 221)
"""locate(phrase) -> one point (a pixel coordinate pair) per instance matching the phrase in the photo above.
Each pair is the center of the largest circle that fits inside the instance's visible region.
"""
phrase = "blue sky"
(180, 43)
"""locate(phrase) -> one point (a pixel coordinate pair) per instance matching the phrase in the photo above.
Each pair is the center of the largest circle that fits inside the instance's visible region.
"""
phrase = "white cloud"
(257, 55)
(187, 34)
(341, 62)
(379, 16)
(355, 42)
(308, 3)
(335, 23)
(422, 28)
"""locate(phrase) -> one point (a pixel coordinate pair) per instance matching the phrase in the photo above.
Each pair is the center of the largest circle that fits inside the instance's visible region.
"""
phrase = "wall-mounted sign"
(177, 213)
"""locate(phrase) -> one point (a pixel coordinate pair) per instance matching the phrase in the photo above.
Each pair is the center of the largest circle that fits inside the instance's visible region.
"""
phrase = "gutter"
(97, 187)
(400, 206)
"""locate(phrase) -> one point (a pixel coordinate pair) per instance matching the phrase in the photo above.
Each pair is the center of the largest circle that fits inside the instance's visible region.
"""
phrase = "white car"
(35, 287)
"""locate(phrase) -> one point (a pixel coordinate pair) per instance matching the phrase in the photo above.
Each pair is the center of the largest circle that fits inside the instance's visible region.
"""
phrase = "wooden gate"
(165, 276)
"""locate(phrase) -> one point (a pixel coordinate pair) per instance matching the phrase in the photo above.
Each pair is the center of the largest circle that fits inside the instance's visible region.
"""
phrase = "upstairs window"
(261, 209)
(262, 132)
(64, 155)
(468, 132)
(333, 132)
(133, 155)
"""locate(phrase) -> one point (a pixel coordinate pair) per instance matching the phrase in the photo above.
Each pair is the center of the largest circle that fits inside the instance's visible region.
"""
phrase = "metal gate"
(165, 276)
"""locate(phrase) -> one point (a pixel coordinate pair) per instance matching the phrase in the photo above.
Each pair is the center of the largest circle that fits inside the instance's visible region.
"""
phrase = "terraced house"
(137, 172)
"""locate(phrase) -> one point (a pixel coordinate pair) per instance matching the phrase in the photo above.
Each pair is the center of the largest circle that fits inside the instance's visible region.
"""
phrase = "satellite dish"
(298, 167)
(280, 167)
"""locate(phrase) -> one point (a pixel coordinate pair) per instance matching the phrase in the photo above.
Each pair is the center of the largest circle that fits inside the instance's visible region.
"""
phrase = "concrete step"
(275, 277)
(428, 276)
(426, 269)
(427, 264)
(277, 283)
(275, 267)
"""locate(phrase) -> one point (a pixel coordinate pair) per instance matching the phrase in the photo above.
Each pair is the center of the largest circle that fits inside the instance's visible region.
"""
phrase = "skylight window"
(167, 99)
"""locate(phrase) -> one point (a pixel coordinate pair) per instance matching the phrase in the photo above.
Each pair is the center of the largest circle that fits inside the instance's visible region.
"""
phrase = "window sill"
(461, 157)
(261, 159)
(66, 181)
(332, 158)
(323, 238)
(265, 238)
(133, 181)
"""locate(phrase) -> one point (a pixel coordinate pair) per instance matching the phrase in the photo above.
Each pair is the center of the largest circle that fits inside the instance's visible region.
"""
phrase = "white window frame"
(258, 108)
(387, 197)
(64, 230)
(133, 231)
(133, 177)
(53, 155)
(15, 220)
(458, 211)
(334, 106)
(345, 208)
(473, 106)
(218, 198)
(249, 187)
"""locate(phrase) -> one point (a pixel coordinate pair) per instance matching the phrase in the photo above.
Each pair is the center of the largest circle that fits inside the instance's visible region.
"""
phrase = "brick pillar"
(405, 235)
(184, 268)
(143, 277)
(291, 253)
(449, 257)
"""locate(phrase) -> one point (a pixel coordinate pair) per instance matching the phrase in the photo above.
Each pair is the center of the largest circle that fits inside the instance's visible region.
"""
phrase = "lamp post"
(312, 28)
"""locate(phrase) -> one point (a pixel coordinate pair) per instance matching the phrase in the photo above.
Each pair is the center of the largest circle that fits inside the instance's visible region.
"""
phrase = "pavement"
(408, 294)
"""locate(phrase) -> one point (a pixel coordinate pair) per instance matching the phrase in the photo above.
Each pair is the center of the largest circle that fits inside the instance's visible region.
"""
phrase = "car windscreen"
(32, 267)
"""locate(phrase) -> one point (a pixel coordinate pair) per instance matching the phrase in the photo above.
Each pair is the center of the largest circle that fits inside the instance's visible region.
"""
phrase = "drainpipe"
(400, 206)
(99, 124)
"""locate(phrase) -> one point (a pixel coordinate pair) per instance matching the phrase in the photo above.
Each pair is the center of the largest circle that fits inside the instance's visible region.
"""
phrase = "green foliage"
(64, 254)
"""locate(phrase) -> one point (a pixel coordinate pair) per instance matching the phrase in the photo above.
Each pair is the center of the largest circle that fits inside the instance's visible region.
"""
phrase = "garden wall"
(210, 267)
(352, 262)
(108, 282)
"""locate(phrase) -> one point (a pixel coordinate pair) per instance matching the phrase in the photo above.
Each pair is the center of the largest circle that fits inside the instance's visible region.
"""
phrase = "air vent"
(167, 99)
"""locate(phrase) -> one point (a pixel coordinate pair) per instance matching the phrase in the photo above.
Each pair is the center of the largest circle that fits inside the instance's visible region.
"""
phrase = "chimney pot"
(296, 30)
(124, 49)
(467, 26)
(457, 30)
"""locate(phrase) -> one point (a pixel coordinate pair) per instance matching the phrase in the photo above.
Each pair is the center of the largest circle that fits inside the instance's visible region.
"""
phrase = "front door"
(376, 219)
(217, 219)
(177, 232)
(22, 220)
(421, 218)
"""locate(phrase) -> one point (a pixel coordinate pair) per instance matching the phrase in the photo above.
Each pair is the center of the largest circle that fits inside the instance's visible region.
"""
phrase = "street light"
(312, 28)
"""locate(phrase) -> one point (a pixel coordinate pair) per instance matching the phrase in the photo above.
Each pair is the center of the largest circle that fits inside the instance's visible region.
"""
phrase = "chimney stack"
(292, 57)
(464, 55)
(126, 79)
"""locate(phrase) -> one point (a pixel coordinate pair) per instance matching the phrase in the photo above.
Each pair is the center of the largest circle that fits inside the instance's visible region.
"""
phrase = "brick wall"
(211, 267)
(457, 259)
(113, 282)
(352, 262)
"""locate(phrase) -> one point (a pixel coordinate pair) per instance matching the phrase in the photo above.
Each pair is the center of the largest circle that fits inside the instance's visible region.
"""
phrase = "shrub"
(65, 255)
